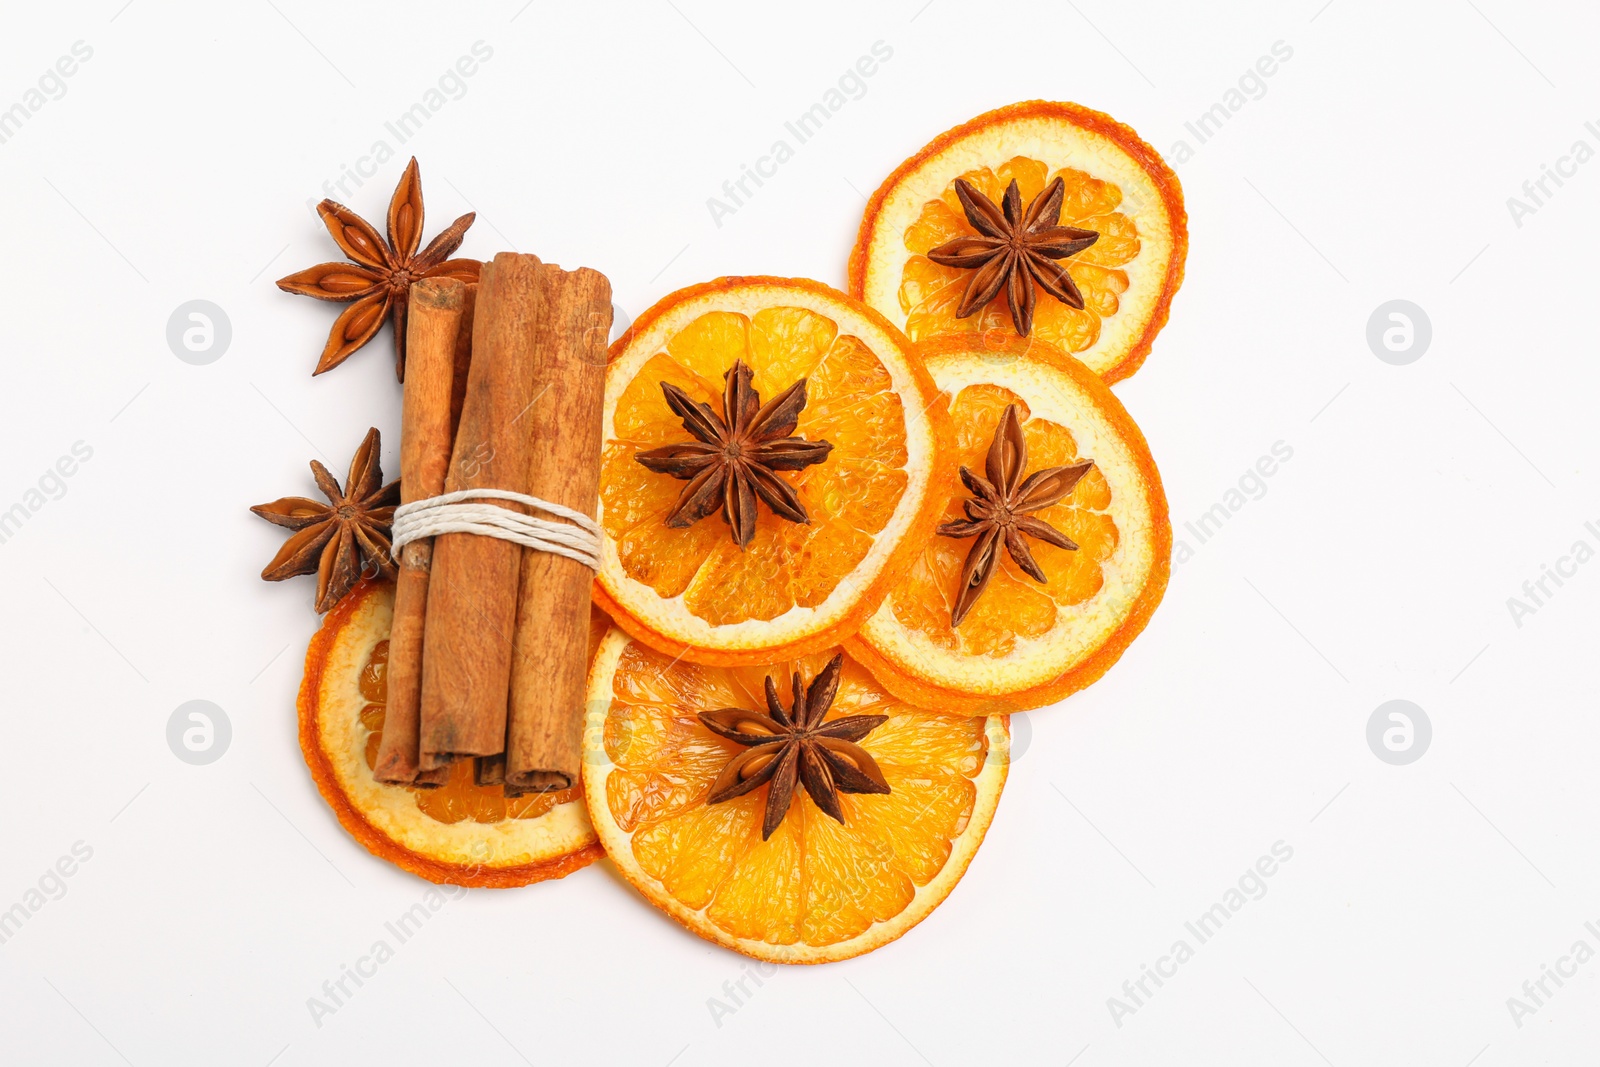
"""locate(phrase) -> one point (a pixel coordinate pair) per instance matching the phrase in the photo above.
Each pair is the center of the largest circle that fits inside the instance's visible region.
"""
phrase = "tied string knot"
(576, 537)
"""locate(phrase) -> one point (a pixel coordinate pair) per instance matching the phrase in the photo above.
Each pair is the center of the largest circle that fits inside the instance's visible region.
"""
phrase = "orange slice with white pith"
(817, 889)
(460, 833)
(1113, 184)
(1024, 643)
(687, 586)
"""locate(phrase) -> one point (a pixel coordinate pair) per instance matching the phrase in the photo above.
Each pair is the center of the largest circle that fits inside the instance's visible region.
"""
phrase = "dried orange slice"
(1024, 644)
(1115, 185)
(817, 890)
(460, 833)
(796, 587)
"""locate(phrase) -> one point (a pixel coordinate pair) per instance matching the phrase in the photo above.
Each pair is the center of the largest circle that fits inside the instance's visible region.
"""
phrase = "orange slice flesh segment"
(460, 833)
(817, 890)
(1025, 644)
(1112, 183)
(796, 587)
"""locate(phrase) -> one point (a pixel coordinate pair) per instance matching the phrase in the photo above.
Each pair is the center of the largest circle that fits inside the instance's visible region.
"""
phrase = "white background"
(179, 165)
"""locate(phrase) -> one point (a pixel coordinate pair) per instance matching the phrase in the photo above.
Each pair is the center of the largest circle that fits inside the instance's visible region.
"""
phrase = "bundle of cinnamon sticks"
(503, 390)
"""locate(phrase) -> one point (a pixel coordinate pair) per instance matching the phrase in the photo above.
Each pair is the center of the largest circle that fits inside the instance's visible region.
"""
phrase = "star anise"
(998, 512)
(342, 538)
(783, 746)
(735, 458)
(379, 281)
(1015, 248)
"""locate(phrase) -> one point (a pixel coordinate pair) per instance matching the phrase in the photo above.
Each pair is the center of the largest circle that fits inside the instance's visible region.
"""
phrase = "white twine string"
(577, 538)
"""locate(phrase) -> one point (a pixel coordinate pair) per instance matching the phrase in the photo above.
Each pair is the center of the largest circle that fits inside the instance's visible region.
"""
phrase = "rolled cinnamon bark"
(544, 738)
(439, 320)
(472, 597)
(489, 770)
(463, 358)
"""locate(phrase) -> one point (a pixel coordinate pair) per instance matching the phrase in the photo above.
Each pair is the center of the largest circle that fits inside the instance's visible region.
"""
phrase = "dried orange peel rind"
(796, 588)
(387, 820)
(817, 891)
(1025, 645)
(1117, 185)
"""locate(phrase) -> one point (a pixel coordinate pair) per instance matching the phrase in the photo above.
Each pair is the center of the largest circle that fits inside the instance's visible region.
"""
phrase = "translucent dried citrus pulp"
(460, 833)
(817, 889)
(1113, 184)
(691, 589)
(1023, 643)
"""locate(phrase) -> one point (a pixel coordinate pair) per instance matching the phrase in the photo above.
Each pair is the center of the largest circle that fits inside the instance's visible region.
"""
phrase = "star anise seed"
(1013, 249)
(379, 281)
(786, 746)
(735, 458)
(342, 538)
(998, 515)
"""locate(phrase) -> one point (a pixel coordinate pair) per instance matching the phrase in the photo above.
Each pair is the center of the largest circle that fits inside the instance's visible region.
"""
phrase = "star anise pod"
(1015, 248)
(379, 281)
(735, 458)
(998, 512)
(783, 746)
(342, 538)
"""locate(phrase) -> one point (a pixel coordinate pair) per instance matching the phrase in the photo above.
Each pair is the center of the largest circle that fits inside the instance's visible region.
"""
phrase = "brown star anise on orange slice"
(342, 538)
(813, 887)
(797, 745)
(998, 512)
(1013, 249)
(1113, 184)
(379, 281)
(777, 588)
(736, 457)
(1086, 567)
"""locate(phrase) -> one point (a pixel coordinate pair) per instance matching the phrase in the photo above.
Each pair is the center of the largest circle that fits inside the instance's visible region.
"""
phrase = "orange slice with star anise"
(459, 833)
(1056, 545)
(770, 452)
(1041, 219)
(793, 811)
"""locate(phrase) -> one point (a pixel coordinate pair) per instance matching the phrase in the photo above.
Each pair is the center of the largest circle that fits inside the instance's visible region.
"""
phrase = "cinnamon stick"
(472, 601)
(489, 770)
(463, 358)
(439, 319)
(544, 738)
